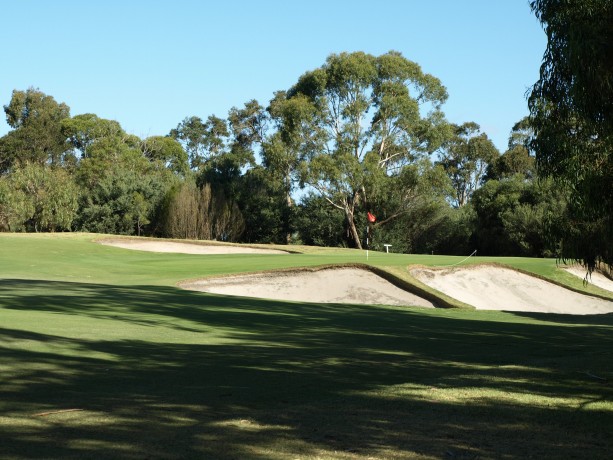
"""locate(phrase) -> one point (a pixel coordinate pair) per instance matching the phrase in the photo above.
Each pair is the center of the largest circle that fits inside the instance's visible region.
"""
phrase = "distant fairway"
(102, 356)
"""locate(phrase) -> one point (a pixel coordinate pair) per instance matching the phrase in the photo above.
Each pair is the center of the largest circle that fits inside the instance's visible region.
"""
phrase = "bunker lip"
(350, 285)
(164, 246)
(491, 287)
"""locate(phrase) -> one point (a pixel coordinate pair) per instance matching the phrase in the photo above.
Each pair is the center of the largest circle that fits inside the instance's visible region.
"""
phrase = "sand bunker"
(185, 248)
(339, 285)
(597, 278)
(497, 288)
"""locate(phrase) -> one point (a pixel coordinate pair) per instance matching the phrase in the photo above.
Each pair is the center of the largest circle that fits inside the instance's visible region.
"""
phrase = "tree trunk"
(352, 227)
(290, 203)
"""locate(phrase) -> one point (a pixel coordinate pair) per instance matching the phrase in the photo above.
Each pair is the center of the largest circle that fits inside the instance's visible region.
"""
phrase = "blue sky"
(150, 64)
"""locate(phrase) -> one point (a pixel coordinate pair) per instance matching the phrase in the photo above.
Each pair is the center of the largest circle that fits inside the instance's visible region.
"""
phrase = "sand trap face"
(496, 288)
(341, 285)
(185, 248)
(597, 278)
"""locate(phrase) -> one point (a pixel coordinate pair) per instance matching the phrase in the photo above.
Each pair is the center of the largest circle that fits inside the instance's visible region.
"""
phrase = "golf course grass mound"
(490, 287)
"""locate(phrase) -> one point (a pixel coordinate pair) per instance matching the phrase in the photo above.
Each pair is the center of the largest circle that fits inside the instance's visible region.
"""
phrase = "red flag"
(371, 218)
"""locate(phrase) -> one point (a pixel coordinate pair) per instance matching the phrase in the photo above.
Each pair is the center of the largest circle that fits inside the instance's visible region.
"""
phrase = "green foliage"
(571, 110)
(466, 157)
(512, 217)
(36, 136)
(15, 206)
(40, 198)
(201, 140)
(451, 233)
(263, 203)
(319, 224)
(517, 158)
(83, 131)
(362, 116)
(412, 209)
(122, 201)
(167, 152)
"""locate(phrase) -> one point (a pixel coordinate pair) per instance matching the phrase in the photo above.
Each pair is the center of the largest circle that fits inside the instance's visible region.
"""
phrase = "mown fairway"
(157, 372)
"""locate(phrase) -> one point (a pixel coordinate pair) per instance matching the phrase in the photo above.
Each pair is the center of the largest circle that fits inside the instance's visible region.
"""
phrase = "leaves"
(356, 122)
(571, 112)
(36, 137)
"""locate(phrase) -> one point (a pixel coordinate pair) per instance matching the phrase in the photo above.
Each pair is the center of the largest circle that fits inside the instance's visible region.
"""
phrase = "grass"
(157, 372)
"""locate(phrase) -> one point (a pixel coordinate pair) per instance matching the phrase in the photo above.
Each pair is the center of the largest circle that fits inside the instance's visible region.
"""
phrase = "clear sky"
(149, 64)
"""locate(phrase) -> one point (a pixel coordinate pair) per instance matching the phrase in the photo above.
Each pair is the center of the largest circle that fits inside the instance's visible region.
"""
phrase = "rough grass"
(158, 372)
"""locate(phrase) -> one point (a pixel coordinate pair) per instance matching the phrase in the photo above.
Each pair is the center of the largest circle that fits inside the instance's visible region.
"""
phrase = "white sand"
(340, 285)
(597, 278)
(185, 248)
(497, 288)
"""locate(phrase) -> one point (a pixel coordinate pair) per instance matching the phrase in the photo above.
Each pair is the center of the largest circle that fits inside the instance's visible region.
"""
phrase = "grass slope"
(157, 372)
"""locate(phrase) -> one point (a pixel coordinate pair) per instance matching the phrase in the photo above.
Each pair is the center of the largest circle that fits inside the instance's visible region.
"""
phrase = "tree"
(247, 126)
(465, 158)
(289, 145)
(571, 112)
(167, 152)
(319, 224)
(194, 212)
(201, 140)
(410, 205)
(41, 198)
(36, 136)
(123, 186)
(82, 131)
(517, 158)
(512, 217)
(262, 201)
(122, 200)
(365, 125)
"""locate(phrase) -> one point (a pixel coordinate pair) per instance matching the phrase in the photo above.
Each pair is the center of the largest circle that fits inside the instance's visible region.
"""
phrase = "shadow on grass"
(165, 373)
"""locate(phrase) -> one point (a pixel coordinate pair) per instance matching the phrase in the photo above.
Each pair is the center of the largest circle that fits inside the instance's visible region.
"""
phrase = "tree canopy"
(36, 137)
(571, 108)
(365, 118)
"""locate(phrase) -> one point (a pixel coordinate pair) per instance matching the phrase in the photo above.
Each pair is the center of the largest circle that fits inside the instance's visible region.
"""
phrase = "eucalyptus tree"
(466, 157)
(36, 136)
(367, 117)
(166, 152)
(201, 140)
(83, 131)
(247, 126)
(40, 198)
(517, 159)
(571, 107)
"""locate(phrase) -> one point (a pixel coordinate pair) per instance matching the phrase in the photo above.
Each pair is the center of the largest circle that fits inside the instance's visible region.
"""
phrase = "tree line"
(360, 134)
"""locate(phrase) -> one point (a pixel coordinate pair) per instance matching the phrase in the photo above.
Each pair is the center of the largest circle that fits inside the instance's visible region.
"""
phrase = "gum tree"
(367, 118)
(36, 136)
(571, 107)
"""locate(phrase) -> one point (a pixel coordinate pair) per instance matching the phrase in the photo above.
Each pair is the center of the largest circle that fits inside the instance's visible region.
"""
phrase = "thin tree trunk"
(290, 204)
(352, 227)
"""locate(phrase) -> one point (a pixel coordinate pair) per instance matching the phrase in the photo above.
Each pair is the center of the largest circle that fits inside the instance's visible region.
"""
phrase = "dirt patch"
(498, 288)
(185, 248)
(337, 285)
